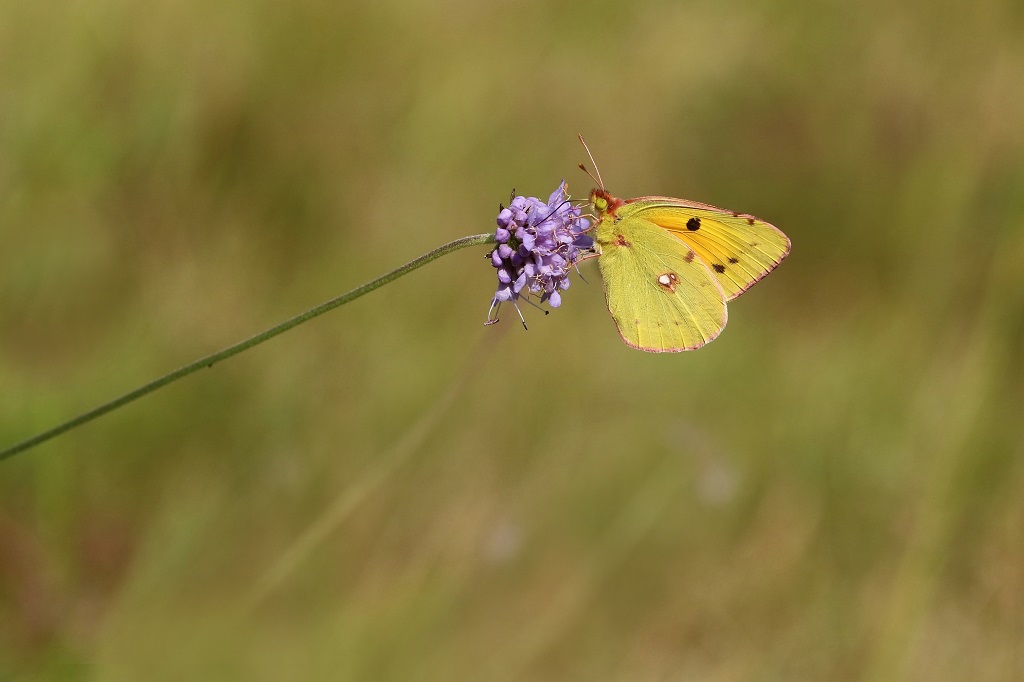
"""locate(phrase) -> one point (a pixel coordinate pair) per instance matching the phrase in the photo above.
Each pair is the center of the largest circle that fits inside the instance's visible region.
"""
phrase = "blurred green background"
(833, 490)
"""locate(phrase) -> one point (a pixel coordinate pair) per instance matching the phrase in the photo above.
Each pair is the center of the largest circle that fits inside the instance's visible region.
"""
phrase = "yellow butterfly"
(670, 265)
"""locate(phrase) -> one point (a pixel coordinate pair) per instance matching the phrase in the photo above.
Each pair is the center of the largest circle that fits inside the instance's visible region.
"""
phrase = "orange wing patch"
(739, 249)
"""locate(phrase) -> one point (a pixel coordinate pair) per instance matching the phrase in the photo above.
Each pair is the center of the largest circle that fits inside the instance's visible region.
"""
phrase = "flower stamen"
(538, 244)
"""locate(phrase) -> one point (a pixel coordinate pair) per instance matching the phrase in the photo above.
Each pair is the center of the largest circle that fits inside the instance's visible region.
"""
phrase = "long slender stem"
(211, 360)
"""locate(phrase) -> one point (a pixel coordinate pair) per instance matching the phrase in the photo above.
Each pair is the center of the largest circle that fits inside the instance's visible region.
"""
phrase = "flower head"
(538, 243)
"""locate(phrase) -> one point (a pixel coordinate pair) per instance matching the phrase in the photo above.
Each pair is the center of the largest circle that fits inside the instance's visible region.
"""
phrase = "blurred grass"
(831, 490)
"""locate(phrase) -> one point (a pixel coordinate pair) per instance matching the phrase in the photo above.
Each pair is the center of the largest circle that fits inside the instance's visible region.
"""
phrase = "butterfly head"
(604, 203)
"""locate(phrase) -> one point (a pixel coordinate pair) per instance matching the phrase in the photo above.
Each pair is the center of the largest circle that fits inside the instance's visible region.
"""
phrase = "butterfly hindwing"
(660, 294)
(740, 249)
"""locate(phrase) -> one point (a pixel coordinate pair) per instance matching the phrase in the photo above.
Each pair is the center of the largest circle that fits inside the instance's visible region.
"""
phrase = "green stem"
(211, 360)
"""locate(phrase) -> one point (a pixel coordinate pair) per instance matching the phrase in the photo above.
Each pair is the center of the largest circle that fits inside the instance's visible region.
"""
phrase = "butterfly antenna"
(600, 182)
(584, 169)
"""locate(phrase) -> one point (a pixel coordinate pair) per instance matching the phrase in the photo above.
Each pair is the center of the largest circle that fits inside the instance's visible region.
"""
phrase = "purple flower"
(538, 243)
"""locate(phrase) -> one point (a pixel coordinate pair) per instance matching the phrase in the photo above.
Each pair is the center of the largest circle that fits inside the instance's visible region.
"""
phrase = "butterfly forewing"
(660, 294)
(739, 249)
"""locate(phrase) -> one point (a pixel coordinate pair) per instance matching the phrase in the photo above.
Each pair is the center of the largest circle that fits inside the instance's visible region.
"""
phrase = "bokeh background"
(832, 490)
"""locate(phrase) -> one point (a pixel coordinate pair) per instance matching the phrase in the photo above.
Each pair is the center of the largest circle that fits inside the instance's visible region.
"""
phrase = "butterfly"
(669, 266)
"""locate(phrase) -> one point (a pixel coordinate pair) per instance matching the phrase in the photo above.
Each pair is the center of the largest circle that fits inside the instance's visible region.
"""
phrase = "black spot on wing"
(719, 268)
(734, 260)
(693, 224)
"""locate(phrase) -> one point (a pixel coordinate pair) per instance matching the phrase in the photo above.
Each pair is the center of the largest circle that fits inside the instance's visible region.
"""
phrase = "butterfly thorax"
(604, 203)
